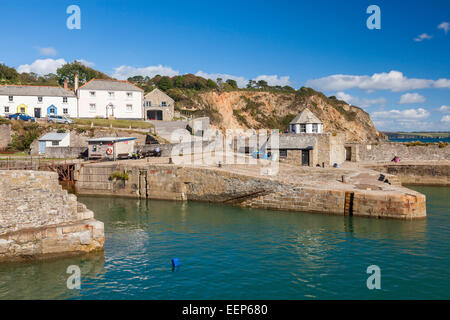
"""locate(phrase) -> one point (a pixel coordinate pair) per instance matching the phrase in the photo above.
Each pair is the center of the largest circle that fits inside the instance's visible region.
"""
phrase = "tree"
(251, 84)
(85, 74)
(8, 74)
(232, 83)
(262, 84)
(211, 84)
(165, 83)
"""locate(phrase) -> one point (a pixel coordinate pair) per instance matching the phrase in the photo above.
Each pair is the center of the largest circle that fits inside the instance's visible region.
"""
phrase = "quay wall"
(417, 174)
(386, 151)
(39, 219)
(5, 136)
(216, 185)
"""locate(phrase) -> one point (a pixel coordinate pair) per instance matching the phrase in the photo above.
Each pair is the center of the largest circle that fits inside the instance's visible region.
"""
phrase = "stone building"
(306, 122)
(158, 106)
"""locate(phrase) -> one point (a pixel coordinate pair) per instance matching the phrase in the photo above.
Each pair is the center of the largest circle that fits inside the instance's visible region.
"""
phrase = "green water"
(235, 253)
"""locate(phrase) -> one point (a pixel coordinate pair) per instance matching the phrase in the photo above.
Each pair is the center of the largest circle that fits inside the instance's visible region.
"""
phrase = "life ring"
(109, 151)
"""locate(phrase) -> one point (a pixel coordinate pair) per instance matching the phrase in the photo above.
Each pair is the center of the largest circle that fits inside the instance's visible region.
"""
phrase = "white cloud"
(446, 119)
(365, 103)
(444, 26)
(444, 109)
(124, 72)
(274, 80)
(411, 98)
(86, 63)
(47, 51)
(409, 114)
(42, 66)
(241, 81)
(442, 83)
(393, 80)
(422, 37)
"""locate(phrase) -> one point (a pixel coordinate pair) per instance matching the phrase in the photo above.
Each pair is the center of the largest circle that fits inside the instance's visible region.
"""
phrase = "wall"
(417, 174)
(64, 152)
(214, 185)
(32, 102)
(385, 151)
(38, 218)
(5, 136)
(101, 100)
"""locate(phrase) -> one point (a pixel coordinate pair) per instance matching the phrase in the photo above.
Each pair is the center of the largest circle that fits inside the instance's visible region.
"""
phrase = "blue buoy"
(175, 262)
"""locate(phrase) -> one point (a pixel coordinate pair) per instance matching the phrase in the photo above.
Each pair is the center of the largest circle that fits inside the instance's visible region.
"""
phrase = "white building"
(110, 99)
(53, 139)
(37, 101)
(306, 122)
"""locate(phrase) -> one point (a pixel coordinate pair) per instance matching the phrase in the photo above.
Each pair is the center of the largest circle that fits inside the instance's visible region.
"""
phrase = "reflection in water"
(236, 253)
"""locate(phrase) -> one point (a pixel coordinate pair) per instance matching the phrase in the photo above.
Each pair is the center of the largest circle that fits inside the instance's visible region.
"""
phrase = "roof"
(111, 139)
(156, 91)
(53, 136)
(305, 116)
(45, 91)
(116, 85)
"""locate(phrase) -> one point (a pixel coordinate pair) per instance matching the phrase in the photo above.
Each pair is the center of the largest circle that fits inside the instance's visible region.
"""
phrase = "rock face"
(258, 110)
(39, 219)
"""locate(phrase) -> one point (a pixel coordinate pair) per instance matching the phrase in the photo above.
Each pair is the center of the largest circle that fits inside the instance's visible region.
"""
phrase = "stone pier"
(38, 219)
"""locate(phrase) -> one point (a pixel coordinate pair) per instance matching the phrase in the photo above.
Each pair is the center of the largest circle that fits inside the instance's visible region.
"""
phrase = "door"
(42, 147)
(37, 112)
(305, 157)
(154, 115)
(348, 153)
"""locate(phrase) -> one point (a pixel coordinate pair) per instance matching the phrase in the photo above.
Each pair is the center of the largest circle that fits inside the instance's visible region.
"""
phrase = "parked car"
(21, 116)
(59, 119)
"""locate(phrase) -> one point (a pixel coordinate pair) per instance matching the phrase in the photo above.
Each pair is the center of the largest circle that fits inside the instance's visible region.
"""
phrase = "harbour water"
(235, 253)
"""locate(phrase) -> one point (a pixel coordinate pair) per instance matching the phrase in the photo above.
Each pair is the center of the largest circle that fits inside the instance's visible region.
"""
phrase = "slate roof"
(113, 85)
(41, 91)
(111, 139)
(53, 136)
(305, 116)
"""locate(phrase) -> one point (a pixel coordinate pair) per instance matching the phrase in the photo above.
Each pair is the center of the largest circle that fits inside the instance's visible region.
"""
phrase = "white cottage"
(110, 99)
(306, 122)
(37, 101)
(54, 139)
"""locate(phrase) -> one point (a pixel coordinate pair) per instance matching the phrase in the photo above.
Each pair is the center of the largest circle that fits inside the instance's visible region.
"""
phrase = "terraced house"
(37, 101)
(115, 99)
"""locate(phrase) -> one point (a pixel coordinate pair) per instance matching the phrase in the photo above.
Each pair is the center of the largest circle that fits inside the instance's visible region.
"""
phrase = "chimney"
(76, 82)
(65, 84)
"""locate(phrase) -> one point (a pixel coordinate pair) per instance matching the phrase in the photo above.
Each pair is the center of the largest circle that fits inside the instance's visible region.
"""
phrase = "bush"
(117, 175)
(442, 144)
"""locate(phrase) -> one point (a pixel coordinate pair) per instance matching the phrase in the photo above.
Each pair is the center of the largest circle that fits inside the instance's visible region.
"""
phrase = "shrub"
(117, 175)
(442, 144)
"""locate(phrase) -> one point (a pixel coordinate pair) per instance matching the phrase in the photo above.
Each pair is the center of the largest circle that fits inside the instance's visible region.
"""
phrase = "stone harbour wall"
(5, 136)
(39, 219)
(215, 185)
(386, 151)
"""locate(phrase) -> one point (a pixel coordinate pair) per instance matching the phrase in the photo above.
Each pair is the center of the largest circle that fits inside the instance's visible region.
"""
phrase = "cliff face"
(258, 110)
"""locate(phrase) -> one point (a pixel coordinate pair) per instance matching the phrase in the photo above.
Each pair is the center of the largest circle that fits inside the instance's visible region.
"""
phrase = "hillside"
(258, 109)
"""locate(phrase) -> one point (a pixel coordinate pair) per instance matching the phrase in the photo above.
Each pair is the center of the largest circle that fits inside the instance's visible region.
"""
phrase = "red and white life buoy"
(109, 151)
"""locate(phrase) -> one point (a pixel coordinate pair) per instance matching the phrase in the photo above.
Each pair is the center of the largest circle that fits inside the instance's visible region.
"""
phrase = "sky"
(399, 73)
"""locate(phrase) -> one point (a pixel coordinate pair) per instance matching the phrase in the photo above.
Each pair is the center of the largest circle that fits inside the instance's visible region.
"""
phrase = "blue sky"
(402, 82)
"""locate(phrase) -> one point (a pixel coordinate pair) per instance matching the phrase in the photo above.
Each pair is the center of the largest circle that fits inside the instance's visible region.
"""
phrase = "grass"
(135, 124)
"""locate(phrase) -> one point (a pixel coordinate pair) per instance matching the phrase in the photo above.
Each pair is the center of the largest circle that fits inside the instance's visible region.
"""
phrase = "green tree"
(211, 84)
(262, 84)
(232, 83)
(165, 83)
(85, 74)
(7, 74)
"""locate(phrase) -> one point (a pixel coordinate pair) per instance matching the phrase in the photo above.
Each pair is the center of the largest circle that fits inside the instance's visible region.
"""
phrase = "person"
(396, 159)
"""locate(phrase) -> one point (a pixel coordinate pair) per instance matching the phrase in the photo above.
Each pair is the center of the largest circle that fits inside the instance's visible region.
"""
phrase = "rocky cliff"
(258, 109)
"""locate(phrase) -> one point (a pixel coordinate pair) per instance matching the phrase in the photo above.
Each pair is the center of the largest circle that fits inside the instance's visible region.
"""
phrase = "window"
(64, 99)
(92, 107)
(92, 93)
(40, 99)
(22, 110)
(148, 103)
(52, 111)
(65, 110)
(315, 128)
(129, 108)
(111, 95)
(129, 95)
(55, 143)
(6, 109)
(283, 153)
(163, 103)
(303, 128)
(11, 98)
